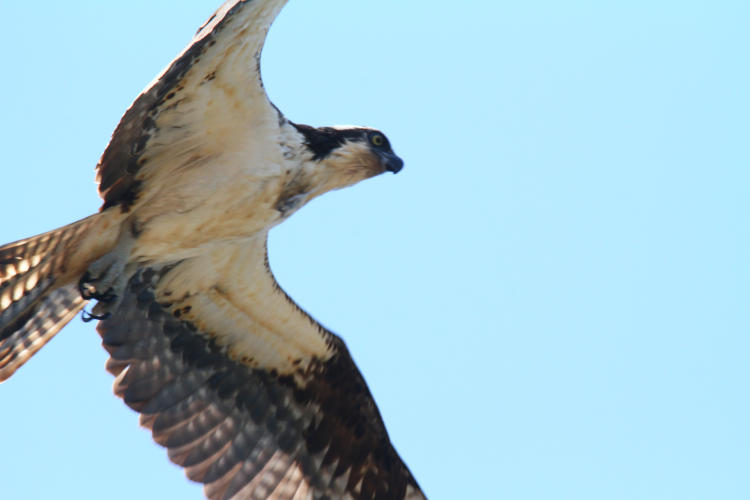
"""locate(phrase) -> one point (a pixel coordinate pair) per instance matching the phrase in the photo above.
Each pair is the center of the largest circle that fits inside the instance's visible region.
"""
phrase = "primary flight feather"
(247, 392)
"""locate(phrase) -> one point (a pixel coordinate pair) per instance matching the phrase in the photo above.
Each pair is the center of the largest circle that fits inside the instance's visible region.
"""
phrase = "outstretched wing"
(247, 392)
(195, 107)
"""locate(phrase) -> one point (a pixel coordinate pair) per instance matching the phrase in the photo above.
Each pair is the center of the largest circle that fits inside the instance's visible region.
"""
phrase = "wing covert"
(215, 80)
(247, 432)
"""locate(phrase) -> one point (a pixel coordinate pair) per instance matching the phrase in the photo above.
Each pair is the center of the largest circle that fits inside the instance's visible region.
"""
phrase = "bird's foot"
(103, 280)
(89, 288)
(106, 277)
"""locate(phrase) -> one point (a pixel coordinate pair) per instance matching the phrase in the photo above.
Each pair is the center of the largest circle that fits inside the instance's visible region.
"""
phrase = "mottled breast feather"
(238, 429)
(118, 168)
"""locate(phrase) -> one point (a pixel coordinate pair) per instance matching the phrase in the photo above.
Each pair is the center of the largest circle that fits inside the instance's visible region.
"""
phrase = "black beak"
(392, 162)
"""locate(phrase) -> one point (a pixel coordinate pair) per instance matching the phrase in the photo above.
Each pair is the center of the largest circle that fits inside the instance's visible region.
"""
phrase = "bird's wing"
(201, 104)
(248, 393)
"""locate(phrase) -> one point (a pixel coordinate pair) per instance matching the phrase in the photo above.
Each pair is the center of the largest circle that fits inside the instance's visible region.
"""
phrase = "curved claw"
(87, 316)
(88, 290)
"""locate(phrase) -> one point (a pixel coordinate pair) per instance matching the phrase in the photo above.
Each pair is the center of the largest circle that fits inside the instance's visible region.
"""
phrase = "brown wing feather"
(244, 432)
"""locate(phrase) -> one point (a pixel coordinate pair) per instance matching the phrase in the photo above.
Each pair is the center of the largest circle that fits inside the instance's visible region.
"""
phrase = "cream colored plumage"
(250, 394)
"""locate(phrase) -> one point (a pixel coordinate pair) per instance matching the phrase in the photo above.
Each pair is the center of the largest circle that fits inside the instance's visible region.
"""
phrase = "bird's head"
(344, 155)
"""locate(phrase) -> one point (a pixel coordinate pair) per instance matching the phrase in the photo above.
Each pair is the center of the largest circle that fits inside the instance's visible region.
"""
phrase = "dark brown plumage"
(224, 421)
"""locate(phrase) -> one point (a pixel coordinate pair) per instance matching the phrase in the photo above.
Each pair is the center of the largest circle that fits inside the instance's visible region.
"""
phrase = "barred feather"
(34, 304)
(249, 433)
(53, 311)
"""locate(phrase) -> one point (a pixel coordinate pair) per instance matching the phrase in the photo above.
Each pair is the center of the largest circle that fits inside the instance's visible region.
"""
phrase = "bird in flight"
(248, 393)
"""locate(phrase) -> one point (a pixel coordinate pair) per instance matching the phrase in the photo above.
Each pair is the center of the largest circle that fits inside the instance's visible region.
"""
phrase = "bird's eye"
(377, 140)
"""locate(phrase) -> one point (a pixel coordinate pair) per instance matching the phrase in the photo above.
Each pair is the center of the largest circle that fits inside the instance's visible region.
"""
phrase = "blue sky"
(550, 301)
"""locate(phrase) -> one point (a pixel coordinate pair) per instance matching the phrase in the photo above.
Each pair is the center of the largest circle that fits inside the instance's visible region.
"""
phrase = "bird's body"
(247, 391)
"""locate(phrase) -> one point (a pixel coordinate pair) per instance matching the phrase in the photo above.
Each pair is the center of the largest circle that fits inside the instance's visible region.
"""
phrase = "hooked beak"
(391, 162)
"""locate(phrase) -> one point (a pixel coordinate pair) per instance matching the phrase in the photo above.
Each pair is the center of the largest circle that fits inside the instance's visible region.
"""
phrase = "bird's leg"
(105, 278)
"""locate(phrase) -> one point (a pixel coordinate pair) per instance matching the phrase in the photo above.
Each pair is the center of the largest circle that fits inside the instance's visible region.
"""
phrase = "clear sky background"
(549, 302)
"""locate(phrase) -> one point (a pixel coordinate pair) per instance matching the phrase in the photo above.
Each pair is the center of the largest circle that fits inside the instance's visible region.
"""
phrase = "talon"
(107, 297)
(105, 277)
(87, 316)
(88, 291)
(85, 288)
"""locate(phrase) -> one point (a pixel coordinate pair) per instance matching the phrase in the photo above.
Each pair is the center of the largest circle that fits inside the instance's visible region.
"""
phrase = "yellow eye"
(377, 140)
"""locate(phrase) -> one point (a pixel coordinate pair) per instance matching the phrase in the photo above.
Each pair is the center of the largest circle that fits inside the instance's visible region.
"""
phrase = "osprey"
(248, 393)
